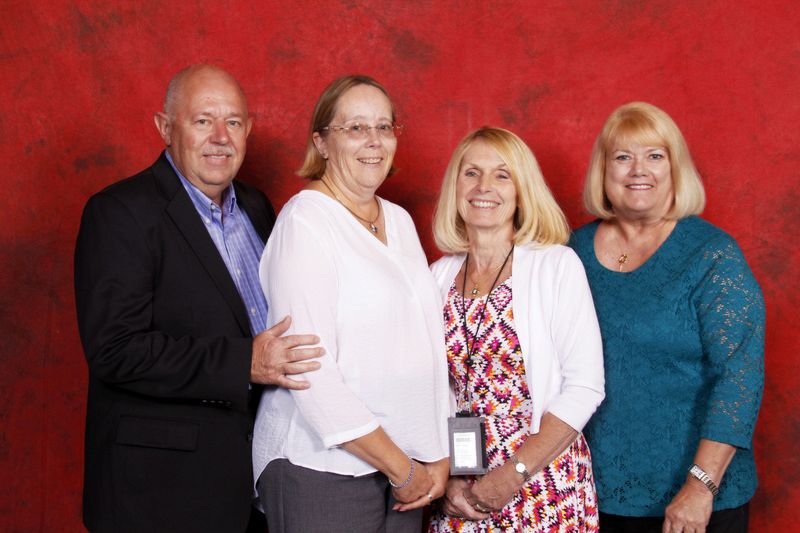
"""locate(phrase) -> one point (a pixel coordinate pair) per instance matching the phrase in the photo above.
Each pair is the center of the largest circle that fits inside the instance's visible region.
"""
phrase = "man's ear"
(249, 127)
(164, 127)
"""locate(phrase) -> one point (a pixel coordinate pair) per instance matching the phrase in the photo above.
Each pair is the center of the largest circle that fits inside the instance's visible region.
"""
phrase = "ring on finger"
(481, 508)
(430, 497)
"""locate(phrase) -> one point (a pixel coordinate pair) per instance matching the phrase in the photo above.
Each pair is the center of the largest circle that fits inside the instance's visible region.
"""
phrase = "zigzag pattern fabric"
(560, 498)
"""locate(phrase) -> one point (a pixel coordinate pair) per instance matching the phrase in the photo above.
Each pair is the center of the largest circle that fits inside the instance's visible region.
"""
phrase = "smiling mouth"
(370, 160)
(483, 204)
(639, 186)
(217, 156)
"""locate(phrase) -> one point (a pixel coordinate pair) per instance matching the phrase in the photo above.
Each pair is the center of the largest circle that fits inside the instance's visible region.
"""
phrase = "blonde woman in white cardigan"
(527, 354)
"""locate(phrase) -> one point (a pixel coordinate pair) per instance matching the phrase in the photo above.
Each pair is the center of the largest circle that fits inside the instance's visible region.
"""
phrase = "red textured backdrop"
(80, 82)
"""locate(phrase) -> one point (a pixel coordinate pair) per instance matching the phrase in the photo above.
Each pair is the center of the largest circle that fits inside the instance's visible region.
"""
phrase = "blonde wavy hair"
(537, 218)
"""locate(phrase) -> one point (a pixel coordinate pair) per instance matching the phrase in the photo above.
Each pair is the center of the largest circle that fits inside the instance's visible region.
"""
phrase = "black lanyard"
(471, 350)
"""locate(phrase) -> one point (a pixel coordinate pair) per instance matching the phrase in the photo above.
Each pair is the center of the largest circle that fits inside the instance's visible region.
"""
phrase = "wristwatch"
(700, 474)
(520, 468)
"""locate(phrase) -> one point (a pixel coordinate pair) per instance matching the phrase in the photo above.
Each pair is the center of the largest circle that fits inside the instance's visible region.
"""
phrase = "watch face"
(520, 468)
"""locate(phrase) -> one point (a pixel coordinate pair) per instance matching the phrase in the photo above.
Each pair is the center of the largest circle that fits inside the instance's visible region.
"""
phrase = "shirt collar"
(203, 203)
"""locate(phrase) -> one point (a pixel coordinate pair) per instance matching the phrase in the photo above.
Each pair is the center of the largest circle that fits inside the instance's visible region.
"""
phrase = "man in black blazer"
(171, 318)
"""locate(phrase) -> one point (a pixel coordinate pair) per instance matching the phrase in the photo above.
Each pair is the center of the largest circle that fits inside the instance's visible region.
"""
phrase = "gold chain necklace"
(641, 251)
(372, 227)
(475, 286)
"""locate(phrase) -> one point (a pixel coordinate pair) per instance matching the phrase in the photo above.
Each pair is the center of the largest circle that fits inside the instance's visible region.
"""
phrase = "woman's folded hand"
(438, 473)
(419, 485)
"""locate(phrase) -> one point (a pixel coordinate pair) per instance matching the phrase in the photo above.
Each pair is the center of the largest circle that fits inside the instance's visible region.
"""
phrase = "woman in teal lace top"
(682, 320)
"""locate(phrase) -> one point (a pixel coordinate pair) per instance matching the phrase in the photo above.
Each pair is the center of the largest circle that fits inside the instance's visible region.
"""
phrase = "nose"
(485, 182)
(639, 166)
(219, 132)
(373, 137)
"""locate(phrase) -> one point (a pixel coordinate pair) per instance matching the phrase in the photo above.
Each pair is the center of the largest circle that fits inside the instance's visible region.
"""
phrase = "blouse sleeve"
(731, 316)
(298, 275)
(576, 336)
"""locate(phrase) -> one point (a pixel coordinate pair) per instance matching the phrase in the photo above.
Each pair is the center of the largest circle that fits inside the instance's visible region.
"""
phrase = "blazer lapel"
(262, 221)
(187, 220)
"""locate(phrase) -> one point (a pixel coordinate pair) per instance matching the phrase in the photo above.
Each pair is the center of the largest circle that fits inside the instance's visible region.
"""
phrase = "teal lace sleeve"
(730, 310)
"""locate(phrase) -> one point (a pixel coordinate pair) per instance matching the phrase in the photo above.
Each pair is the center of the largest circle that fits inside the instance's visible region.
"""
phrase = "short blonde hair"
(537, 218)
(314, 164)
(645, 124)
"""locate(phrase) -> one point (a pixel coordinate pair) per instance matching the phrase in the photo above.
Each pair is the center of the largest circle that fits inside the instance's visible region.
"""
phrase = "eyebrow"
(648, 148)
(364, 119)
(466, 163)
(210, 113)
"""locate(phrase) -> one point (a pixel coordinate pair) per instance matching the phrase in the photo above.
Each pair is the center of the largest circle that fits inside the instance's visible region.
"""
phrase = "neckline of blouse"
(387, 222)
(645, 267)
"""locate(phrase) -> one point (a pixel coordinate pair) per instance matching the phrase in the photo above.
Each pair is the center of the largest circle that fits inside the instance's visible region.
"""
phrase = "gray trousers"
(301, 500)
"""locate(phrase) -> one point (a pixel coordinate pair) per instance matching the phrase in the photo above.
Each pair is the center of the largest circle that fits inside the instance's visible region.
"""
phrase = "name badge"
(467, 436)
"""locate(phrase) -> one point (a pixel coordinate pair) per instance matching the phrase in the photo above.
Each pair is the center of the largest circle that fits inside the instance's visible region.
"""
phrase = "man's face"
(207, 129)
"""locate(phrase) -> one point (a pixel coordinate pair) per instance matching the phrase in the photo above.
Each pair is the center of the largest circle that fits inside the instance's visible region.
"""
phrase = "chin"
(375, 181)
(220, 175)
(218, 181)
(484, 225)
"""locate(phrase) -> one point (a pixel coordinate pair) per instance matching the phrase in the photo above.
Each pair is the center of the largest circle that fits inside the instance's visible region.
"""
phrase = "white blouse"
(378, 313)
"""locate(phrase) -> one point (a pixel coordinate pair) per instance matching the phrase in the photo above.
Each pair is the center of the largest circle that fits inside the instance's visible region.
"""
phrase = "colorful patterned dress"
(560, 498)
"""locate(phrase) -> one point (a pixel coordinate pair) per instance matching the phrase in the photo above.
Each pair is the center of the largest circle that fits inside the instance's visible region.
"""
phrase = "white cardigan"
(377, 310)
(557, 329)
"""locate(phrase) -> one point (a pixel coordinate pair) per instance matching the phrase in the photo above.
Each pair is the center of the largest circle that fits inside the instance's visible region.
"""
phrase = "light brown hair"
(314, 164)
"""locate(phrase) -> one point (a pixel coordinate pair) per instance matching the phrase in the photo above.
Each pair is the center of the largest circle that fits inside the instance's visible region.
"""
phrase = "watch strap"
(700, 474)
(520, 468)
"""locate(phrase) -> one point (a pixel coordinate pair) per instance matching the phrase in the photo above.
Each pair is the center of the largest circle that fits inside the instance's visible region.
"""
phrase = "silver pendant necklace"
(372, 227)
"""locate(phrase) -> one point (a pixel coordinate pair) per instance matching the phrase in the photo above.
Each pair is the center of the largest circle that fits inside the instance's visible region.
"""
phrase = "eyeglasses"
(359, 131)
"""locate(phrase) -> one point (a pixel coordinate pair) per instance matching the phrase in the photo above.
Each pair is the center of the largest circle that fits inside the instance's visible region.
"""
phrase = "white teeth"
(482, 203)
(371, 161)
(640, 186)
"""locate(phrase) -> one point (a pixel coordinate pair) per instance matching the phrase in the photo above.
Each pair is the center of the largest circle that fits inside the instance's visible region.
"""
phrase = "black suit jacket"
(168, 344)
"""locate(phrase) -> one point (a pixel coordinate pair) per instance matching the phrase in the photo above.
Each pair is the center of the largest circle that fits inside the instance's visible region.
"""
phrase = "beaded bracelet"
(405, 483)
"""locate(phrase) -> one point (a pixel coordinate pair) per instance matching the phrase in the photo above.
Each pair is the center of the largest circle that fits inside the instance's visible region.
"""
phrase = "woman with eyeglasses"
(369, 433)
(523, 344)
